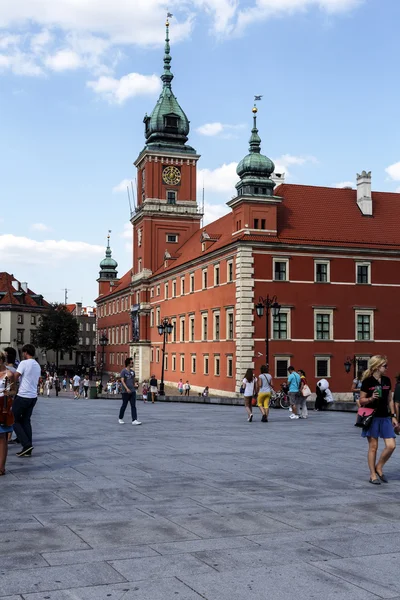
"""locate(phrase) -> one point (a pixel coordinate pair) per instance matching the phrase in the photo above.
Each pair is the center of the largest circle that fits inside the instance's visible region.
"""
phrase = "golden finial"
(255, 109)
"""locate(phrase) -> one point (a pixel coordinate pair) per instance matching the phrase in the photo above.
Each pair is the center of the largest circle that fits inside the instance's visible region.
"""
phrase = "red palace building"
(326, 259)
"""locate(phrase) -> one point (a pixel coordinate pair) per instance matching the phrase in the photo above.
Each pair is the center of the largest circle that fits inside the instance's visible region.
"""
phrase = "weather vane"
(256, 99)
(169, 15)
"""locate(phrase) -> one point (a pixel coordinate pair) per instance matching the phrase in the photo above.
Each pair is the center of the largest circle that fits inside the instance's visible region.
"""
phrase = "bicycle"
(279, 399)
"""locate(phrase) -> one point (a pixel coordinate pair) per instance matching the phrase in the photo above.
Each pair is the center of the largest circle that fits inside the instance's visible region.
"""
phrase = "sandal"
(375, 481)
(382, 477)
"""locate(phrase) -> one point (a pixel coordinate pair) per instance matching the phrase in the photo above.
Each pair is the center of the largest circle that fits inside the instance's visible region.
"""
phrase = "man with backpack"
(294, 383)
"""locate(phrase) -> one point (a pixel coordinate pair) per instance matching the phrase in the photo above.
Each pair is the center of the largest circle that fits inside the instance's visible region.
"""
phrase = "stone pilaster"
(140, 352)
(244, 314)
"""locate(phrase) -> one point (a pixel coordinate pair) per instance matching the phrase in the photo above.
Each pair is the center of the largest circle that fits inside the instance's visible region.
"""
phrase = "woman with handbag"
(375, 394)
(305, 392)
(6, 380)
(250, 389)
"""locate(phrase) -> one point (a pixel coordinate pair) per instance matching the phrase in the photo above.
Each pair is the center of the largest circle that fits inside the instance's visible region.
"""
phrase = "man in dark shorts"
(128, 392)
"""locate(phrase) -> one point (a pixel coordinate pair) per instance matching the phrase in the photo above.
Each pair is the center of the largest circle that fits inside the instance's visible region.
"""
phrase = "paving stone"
(26, 560)
(53, 578)
(88, 515)
(199, 545)
(102, 554)
(139, 569)
(42, 539)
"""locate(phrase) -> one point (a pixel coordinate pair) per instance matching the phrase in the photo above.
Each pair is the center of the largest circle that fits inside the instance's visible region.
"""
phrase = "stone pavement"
(195, 504)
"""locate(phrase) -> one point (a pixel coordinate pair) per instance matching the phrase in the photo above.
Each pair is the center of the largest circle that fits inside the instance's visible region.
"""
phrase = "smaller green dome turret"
(255, 169)
(108, 266)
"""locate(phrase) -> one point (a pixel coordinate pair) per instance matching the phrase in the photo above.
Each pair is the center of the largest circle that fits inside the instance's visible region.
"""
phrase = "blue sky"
(77, 79)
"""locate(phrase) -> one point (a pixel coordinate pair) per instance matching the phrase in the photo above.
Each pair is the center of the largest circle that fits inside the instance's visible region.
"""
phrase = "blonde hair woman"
(376, 393)
(4, 430)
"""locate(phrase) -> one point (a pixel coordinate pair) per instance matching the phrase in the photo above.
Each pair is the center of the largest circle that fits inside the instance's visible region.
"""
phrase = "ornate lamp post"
(165, 329)
(103, 343)
(267, 304)
(348, 362)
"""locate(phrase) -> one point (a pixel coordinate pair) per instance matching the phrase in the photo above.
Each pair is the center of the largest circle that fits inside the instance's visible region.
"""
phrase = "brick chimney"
(364, 197)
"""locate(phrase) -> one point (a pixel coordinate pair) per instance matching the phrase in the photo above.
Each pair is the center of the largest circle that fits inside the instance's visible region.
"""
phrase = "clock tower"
(167, 213)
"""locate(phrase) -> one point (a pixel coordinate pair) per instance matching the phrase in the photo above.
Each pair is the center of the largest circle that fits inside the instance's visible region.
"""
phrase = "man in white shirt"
(76, 382)
(28, 373)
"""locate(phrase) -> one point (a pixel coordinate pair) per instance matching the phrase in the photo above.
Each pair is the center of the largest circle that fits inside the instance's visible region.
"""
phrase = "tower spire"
(255, 140)
(167, 76)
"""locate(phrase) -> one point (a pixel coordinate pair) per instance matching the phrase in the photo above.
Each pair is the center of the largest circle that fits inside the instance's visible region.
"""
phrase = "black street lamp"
(164, 328)
(103, 343)
(267, 304)
(348, 362)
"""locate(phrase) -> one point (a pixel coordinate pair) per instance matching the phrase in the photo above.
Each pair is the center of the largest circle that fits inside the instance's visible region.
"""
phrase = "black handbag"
(364, 418)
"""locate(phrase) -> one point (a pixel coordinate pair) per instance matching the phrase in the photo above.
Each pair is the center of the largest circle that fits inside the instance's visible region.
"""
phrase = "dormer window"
(171, 121)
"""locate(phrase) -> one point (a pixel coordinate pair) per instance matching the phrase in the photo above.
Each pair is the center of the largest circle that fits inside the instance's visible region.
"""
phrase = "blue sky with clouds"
(77, 78)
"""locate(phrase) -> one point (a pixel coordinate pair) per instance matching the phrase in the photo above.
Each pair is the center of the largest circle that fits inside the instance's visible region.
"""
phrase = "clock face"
(171, 175)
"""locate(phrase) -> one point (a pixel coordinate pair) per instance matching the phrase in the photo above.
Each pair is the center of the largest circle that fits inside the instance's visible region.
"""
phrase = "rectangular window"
(205, 279)
(192, 282)
(182, 286)
(182, 363)
(166, 291)
(321, 271)
(87, 341)
(363, 272)
(281, 268)
(217, 366)
(255, 223)
(193, 364)
(166, 362)
(33, 320)
(364, 325)
(20, 336)
(174, 362)
(216, 326)
(20, 319)
(80, 341)
(158, 355)
(191, 325)
(172, 238)
(171, 197)
(152, 355)
(263, 223)
(174, 289)
(216, 275)
(230, 271)
(229, 366)
(323, 326)
(152, 318)
(204, 327)
(182, 329)
(229, 325)
(173, 321)
(71, 355)
(322, 367)
(280, 326)
(80, 327)
(281, 367)
(158, 290)
(206, 365)
(158, 316)
(152, 293)
(126, 334)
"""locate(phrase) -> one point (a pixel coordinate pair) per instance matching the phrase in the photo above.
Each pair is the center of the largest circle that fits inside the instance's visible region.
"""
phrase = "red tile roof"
(123, 284)
(11, 294)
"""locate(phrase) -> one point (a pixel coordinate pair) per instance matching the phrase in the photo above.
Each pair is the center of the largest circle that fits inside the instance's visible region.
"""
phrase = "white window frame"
(165, 362)
(175, 235)
(281, 358)
(158, 316)
(193, 363)
(370, 314)
(166, 290)
(228, 280)
(230, 311)
(229, 360)
(182, 363)
(328, 359)
(173, 322)
(204, 334)
(181, 329)
(191, 279)
(216, 313)
(151, 294)
(323, 311)
(285, 311)
(204, 275)
(174, 288)
(206, 362)
(158, 290)
(328, 270)
(182, 286)
(152, 317)
(217, 359)
(280, 260)
(365, 263)
(158, 355)
(217, 271)
(192, 321)
(173, 362)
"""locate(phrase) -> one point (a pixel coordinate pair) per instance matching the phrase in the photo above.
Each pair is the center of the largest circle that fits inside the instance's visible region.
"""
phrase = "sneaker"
(250, 418)
(264, 419)
(121, 421)
(27, 453)
(26, 450)
(294, 417)
(136, 422)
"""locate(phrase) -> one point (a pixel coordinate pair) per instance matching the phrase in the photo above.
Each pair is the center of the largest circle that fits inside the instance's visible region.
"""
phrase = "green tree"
(58, 330)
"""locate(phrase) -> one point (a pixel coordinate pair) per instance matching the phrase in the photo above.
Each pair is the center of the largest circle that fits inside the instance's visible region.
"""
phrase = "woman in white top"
(250, 388)
(264, 392)
(4, 430)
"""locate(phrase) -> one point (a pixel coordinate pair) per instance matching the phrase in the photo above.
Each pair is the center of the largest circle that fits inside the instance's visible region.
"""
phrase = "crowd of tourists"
(378, 407)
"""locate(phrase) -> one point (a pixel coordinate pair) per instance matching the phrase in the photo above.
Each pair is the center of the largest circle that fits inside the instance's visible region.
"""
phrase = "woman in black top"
(376, 394)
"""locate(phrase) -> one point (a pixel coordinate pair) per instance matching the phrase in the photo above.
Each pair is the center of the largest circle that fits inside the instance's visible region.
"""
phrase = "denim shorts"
(381, 427)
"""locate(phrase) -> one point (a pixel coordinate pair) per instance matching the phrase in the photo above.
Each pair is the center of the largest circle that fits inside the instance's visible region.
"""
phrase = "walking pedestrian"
(356, 387)
(250, 389)
(86, 384)
(153, 388)
(305, 392)
(187, 388)
(264, 392)
(145, 390)
(76, 380)
(28, 373)
(57, 385)
(375, 393)
(294, 383)
(180, 387)
(6, 380)
(128, 393)
(64, 385)
(47, 386)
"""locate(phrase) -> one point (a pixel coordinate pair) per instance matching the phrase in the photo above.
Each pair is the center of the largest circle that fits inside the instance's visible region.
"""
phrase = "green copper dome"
(108, 266)
(168, 126)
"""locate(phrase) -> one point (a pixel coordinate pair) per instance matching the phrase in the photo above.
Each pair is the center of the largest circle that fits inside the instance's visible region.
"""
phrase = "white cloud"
(40, 227)
(344, 184)
(394, 171)
(25, 250)
(220, 180)
(63, 60)
(127, 232)
(283, 162)
(121, 187)
(119, 90)
(212, 212)
(212, 129)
